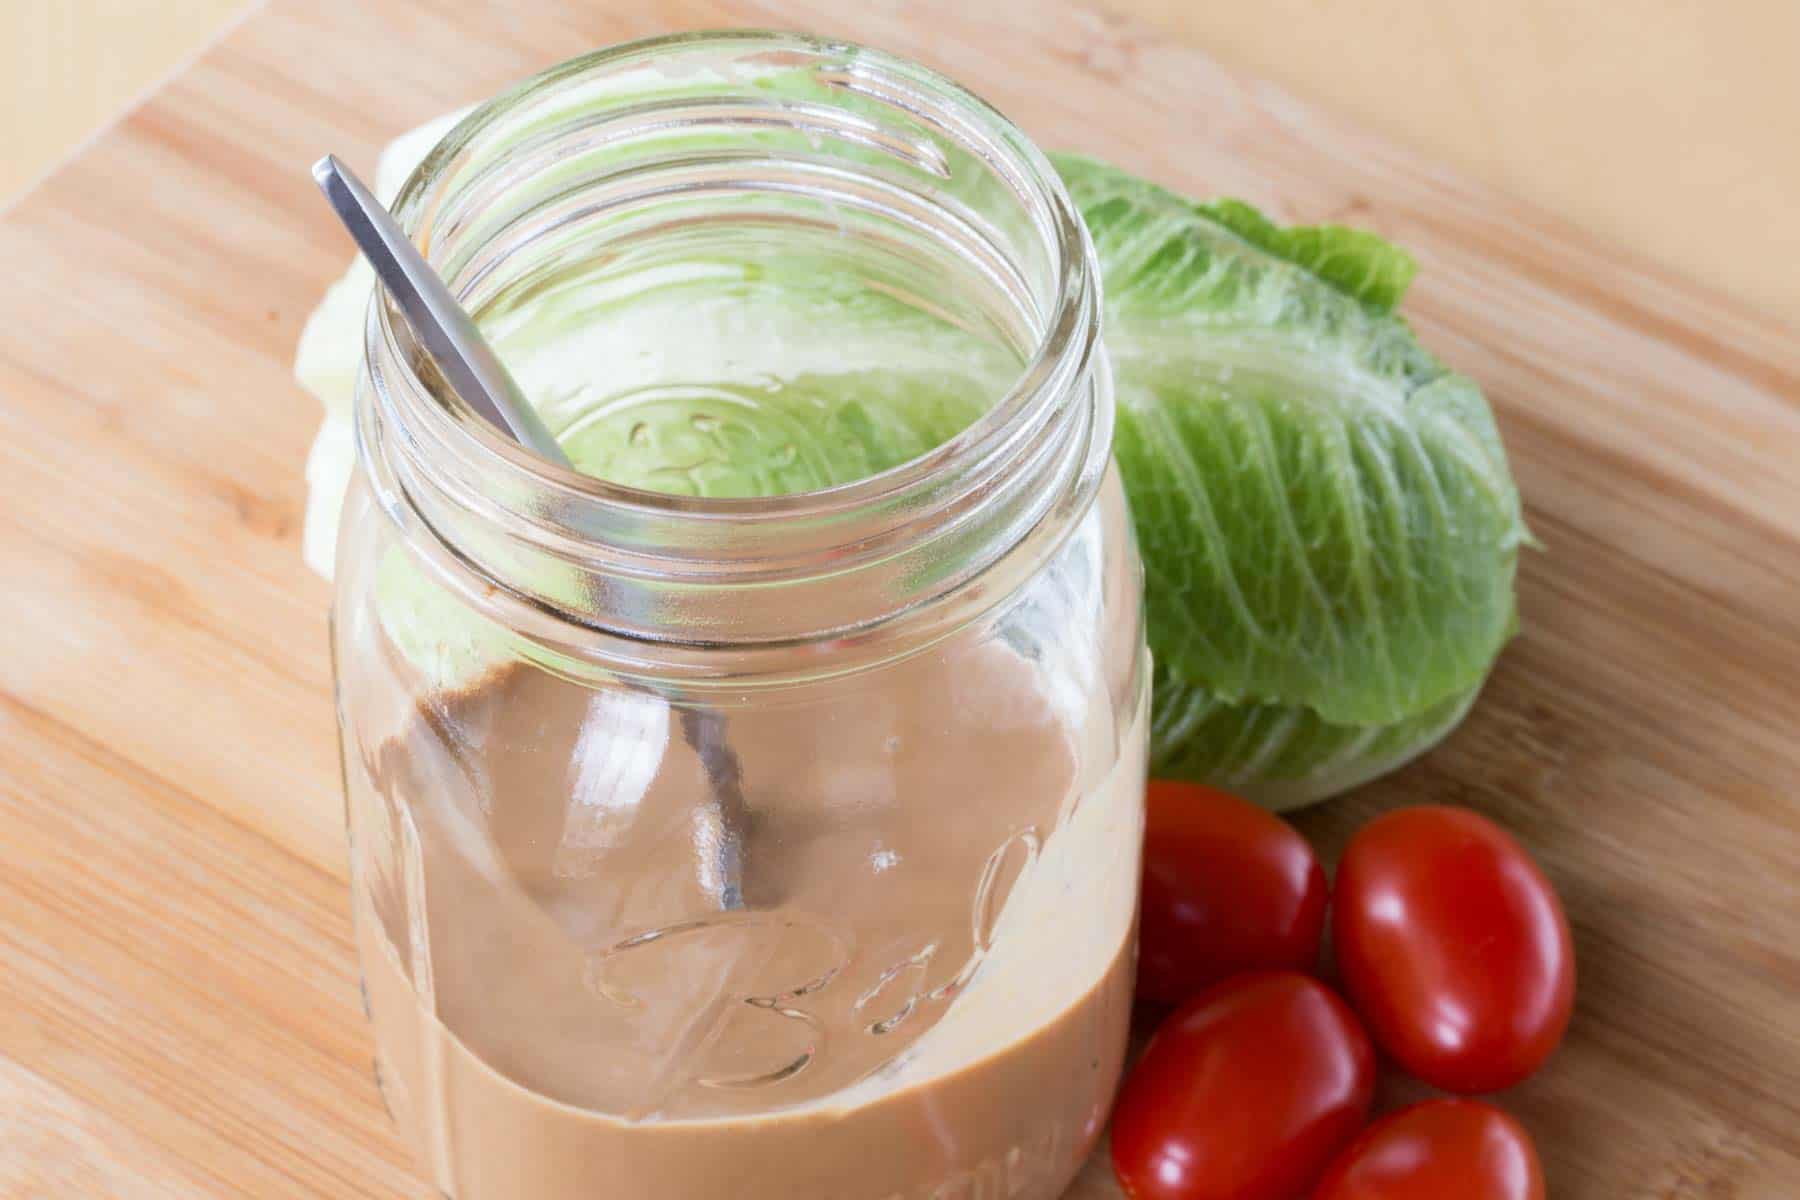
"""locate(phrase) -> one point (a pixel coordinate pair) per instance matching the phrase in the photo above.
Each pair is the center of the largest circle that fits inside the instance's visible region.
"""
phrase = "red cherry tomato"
(1246, 1093)
(1441, 1148)
(1453, 947)
(1228, 888)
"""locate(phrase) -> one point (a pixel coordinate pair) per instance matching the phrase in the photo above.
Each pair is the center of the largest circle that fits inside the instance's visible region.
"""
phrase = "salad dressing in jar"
(819, 332)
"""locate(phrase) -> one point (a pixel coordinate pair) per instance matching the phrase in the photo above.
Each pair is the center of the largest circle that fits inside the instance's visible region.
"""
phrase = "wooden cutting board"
(178, 996)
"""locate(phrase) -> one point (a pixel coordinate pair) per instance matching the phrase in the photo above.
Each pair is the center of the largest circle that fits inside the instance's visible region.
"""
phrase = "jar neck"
(629, 151)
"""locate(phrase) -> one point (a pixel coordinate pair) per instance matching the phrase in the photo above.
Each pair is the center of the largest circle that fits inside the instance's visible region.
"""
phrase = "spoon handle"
(450, 339)
(446, 331)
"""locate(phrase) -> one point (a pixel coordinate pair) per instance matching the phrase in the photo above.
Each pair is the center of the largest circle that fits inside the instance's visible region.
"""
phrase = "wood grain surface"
(178, 995)
(1671, 127)
(69, 67)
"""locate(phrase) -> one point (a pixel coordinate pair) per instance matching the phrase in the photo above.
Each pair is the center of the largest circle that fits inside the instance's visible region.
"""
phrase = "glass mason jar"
(764, 818)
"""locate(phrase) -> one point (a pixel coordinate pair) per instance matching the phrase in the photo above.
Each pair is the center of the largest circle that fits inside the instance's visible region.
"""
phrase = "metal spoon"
(469, 365)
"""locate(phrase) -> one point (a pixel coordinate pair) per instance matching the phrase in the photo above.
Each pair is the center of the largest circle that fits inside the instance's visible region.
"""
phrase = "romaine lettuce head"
(1329, 528)
(1328, 525)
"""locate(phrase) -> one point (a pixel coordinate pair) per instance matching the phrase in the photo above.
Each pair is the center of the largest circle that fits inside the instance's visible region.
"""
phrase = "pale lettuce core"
(1327, 520)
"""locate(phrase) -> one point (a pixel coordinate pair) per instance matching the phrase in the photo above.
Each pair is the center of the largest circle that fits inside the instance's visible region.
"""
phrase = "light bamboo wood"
(68, 67)
(178, 996)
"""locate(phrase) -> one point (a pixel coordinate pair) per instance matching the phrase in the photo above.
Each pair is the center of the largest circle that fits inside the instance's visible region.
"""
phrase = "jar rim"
(670, 568)
(1063, 351)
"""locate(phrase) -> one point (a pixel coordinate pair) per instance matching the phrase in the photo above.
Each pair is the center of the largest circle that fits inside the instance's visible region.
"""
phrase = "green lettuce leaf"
(1354, 261)
(1329, 527)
